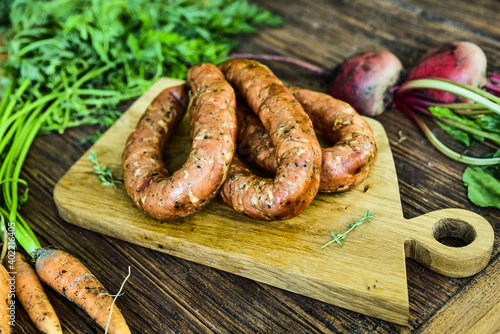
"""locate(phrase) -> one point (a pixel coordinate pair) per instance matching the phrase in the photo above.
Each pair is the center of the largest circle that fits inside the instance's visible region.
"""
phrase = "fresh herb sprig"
(367, 216)
(102, 171)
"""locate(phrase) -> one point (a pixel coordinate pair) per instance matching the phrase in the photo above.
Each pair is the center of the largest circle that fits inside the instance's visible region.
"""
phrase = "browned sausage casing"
(213, 130)
(344, 165)
(298, 152)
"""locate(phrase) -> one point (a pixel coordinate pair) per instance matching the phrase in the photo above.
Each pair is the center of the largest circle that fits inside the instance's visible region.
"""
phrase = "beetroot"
(461, 62)
(367, 81)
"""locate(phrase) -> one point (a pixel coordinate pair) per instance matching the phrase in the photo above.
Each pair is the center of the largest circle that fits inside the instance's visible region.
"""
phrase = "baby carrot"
(69, 277)
(29, 292)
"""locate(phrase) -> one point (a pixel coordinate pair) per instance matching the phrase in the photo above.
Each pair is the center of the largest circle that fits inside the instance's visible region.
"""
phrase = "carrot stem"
(5, 236)
(23, 234)
(5, 99)
(22, 156)
(12, 100)
(17, 133)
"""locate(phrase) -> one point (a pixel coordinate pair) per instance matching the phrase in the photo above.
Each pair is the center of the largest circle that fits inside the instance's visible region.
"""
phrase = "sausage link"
(292, 134)
(253, 143)
(344, 165)
(213, 129)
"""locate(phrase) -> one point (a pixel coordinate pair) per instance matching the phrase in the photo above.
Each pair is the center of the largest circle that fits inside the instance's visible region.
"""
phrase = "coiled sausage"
(292, 134)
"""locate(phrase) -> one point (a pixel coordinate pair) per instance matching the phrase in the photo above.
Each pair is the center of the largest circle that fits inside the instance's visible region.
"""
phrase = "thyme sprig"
(102, 171)
(367, 216)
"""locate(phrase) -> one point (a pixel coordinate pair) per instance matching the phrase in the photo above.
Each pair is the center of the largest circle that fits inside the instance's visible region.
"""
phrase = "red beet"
(461, 62)
(367, 81)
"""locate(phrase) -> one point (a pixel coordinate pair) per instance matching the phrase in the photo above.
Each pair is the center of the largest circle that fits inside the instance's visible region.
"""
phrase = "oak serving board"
(367, 275)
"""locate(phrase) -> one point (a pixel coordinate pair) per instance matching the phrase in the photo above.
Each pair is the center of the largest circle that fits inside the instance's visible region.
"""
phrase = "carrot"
(29, 292)
(5, 296)
(6, 285)
(69, 277)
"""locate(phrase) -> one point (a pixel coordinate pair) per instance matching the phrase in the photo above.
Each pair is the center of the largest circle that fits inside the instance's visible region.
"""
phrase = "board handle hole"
(454, 232)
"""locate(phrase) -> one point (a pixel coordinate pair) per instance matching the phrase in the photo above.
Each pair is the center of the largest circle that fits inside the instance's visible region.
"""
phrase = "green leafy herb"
(483, 184)
(102, 171)
(461, 126)
(490, 122)
(341, 236)
(456, 133)
(4, 14)
(97, 53)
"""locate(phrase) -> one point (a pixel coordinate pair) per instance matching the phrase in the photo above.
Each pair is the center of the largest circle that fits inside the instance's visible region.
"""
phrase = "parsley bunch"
(72, 62)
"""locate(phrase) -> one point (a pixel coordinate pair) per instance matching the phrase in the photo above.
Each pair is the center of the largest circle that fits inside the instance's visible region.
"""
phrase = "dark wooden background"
(169, 295)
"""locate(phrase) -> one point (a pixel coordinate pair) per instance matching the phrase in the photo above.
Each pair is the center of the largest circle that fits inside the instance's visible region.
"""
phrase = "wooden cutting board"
(367, 275)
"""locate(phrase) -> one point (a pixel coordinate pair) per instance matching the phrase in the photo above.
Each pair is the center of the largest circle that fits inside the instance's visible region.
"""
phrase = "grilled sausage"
(213, 130)
(292, 134)
(344, 165)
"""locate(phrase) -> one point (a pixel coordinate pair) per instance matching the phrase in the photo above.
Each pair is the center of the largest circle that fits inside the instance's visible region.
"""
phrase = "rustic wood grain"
(480, 17)
(167, 294)
(461, 314)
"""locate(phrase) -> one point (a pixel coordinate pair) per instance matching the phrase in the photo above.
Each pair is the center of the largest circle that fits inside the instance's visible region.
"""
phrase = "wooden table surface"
(166, 294)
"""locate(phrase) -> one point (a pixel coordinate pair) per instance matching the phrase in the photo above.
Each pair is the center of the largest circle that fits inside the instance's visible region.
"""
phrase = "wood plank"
(480, 16)
(461, 314)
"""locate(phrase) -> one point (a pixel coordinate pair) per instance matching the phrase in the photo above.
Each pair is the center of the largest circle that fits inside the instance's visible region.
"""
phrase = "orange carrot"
(5, 297)
(29, 292)
(68, 276)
